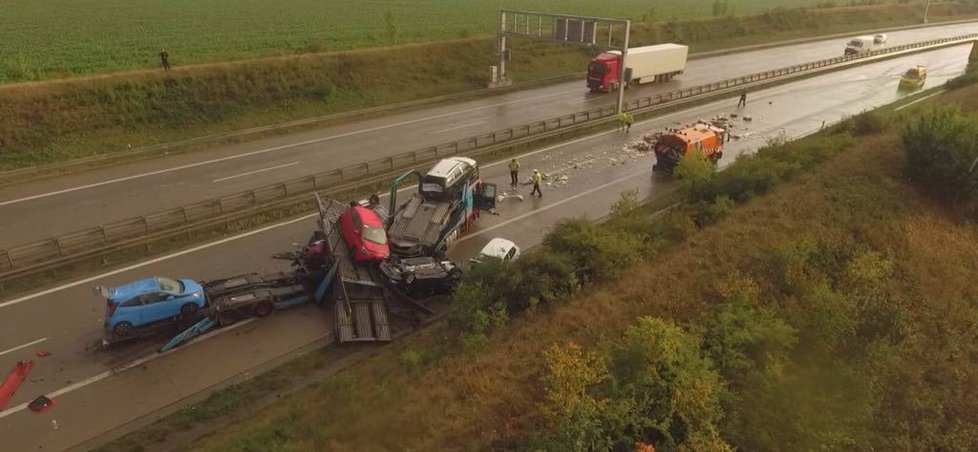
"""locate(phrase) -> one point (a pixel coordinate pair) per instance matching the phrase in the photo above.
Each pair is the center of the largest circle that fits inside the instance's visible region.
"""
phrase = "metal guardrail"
(16, 258)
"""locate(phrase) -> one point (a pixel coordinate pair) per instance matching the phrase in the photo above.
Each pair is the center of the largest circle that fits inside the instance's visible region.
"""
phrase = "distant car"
(422, 275)
(148, 301)
(879, 38)
(364, 233)
(497, 248)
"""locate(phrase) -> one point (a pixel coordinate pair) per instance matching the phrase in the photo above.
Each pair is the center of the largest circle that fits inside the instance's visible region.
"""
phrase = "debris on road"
(43, 353)
(505, 195)
(41, 404)
(14, 380)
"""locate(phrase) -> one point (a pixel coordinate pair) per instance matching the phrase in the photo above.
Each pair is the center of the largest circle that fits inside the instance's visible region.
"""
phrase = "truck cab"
(602, 72)
(671, 147)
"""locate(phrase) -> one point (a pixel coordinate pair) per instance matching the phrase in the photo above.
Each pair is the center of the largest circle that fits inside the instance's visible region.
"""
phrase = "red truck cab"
(602, 72)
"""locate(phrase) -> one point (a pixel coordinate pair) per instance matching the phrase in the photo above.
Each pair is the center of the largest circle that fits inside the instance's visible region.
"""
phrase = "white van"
(861, 44)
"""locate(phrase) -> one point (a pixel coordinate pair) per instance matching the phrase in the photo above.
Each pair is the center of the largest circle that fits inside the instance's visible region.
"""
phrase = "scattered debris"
(41, 404)
(54, 424)
(505, 195)
(43, 353)
(14, 380)
(748, 118)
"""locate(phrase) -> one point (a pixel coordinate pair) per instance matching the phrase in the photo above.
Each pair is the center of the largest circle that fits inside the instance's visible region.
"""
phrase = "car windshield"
(170, 285)
(375, 235)
(596, 69)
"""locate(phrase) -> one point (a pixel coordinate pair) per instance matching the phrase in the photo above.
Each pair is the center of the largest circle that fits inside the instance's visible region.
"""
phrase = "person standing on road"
(514, 173)
(165, 59)
(628, 122)
(621, 121)
(537, 177)
(743, 98)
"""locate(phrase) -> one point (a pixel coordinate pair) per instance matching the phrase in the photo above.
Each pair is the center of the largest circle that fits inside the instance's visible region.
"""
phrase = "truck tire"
(123, 330)
(227, 318)
(188, 311)
(264, 308)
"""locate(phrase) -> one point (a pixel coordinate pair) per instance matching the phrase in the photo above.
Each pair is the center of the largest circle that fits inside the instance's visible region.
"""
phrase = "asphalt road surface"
(43, 209)
(94, 399)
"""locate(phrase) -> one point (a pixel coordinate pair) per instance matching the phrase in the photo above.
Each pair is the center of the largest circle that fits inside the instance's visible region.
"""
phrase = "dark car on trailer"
(425, 275)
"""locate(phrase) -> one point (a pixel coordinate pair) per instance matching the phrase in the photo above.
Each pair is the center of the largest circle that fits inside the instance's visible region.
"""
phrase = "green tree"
(672, 392)
(570, 405)
(941, 146)
(693, 170)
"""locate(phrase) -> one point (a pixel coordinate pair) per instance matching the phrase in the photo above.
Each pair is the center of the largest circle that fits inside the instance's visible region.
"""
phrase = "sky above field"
(41, 38)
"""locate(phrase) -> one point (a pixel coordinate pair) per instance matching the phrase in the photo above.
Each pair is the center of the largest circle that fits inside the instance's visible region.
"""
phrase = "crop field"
(41, 39)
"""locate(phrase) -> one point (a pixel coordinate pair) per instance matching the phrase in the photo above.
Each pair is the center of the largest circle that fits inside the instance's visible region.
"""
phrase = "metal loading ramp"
(360, 300)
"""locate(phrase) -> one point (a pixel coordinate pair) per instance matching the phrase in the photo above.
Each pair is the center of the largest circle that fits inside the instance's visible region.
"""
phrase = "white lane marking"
(263, 151)
(458, 127)
(255, 172)
(23, 346)
(550, 206)
(124, 367)
(918, 100)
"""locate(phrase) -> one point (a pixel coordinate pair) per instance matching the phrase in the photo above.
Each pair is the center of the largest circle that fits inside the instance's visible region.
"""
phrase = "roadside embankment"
(65, 119)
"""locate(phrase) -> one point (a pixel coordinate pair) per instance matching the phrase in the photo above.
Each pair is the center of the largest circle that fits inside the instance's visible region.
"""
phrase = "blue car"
(148, 301)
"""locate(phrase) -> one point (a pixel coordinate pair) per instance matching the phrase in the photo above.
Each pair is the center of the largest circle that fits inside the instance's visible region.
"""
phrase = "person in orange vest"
(537, 177)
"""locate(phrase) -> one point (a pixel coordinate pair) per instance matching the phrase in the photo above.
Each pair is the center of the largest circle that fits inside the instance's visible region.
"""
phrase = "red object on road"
(41, 404)
(13, 381)
(43, 353)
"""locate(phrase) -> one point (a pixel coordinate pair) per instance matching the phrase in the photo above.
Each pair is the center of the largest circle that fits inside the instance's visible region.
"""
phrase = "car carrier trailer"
(450, 197)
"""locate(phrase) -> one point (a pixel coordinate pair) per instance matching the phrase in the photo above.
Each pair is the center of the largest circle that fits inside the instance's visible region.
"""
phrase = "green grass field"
(59, 38)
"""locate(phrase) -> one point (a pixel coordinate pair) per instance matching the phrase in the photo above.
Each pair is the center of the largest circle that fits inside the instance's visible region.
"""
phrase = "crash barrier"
(19, 260)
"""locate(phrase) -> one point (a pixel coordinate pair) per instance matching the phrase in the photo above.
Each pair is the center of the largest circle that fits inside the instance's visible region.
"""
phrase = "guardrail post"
(254, 197)
(220, 206)
(145, 224)
(10, 260)
(183, 210)
(57, 243)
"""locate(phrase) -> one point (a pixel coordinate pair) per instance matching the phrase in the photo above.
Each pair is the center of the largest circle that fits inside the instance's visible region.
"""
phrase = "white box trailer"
(656, 63)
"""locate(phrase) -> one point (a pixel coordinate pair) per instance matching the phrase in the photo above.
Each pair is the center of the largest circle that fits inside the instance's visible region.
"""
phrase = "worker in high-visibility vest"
(621, 121)
(537, 177)
(514, 172)
(628, 122)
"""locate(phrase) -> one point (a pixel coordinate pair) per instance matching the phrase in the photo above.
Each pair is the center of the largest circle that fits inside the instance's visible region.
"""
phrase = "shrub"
(599, 254)
(941, 146)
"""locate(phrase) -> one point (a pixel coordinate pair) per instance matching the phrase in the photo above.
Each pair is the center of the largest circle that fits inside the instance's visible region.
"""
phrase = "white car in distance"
(497, 248)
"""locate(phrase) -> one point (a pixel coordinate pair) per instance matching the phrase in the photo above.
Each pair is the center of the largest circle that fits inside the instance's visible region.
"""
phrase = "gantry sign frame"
(564, 28)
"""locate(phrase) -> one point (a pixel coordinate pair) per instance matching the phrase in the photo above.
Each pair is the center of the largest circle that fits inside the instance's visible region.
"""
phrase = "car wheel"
(455, 274)
(227, 318)
(123, 330)
(263, 309)
(188, 311)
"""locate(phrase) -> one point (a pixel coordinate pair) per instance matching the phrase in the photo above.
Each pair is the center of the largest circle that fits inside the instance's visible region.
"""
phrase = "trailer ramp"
(360, 301)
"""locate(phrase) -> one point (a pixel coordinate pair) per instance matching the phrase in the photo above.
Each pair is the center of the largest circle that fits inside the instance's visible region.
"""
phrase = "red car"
(364, 233)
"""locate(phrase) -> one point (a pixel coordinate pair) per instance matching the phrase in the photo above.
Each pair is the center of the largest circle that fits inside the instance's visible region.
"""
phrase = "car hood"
(190, 286)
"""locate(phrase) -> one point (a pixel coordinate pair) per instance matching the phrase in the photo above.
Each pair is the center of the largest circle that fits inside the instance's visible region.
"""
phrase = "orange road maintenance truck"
(673, 145)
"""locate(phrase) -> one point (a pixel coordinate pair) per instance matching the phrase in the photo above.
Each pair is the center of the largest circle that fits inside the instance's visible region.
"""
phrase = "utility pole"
(620, 106)
(926, 9)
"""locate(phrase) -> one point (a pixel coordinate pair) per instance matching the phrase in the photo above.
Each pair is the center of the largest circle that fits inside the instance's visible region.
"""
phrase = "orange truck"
(673, 145)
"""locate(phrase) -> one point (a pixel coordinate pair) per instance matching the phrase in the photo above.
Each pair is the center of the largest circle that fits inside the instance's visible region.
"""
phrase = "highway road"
(66, 320)
(42, 209)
